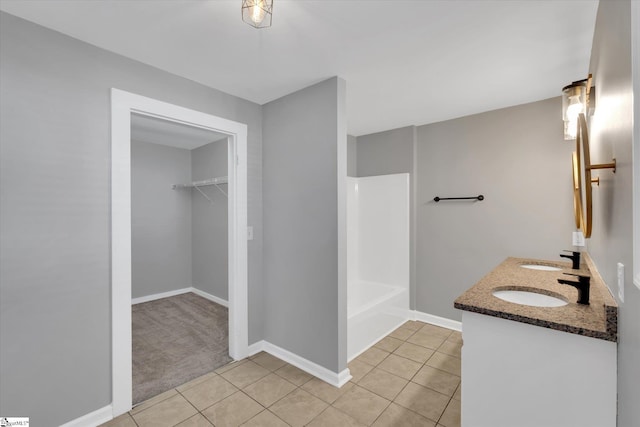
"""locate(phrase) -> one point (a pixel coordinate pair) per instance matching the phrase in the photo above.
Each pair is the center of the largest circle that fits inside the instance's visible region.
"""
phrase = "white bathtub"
(373, 311)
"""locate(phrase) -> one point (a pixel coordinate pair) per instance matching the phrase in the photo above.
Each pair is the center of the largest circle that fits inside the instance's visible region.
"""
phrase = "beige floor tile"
(435, 379)
(361, 404)
(195, 381)
(209, 392)
(153, 401)
(373, 356)
(402, 333)
(167, 413)
(458, 394)
(445, 363)
(359, 369)
(331, 417)
(269, 362)
(230, 366)
(197, 420)
(389, 343)
(253, 356)
(298, 408)
(426, 340)
(451, 415)
(265, 419)
(269, 389)
(414, 352)
(325, 391)
(451, 348)
(293, 375)
(123, 420)
(395, 415)
(233, 410)
(413, 325)
(245, 374)
(455, 336)
(436, 330)
(422, 400)
(383, 383)
(400, 366)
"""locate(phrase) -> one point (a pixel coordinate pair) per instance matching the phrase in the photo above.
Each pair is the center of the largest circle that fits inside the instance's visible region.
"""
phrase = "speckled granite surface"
(599, 319)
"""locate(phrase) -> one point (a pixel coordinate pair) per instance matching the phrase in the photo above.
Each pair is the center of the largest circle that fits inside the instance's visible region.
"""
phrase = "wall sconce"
(257, 13)
(575, 101)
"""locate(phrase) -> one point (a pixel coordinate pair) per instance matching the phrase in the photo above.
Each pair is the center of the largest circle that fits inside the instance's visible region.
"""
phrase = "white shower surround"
(377, 258)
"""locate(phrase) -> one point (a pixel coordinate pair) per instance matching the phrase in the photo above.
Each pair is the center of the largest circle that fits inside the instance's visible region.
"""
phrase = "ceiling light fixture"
(257, 13)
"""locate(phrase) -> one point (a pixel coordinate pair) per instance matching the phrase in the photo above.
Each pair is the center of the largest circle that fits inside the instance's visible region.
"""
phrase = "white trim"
(437, 320)
(210, 297)
(122, 105)
(161, 295)
(168, 294)
(635, 146)
(320, 372)
(256, 348)
(92, 419)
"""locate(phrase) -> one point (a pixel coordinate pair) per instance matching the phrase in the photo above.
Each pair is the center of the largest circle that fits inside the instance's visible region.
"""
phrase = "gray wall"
(386, 152)
(210, 221)
(160, 219)
(517, 158)
(352, 155)
(611, 137)
(390, 152)
(55, 313)
(301, 271)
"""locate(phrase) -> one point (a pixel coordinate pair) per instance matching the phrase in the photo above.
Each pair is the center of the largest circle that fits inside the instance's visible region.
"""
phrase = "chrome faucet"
(574, 257)
(582, 285)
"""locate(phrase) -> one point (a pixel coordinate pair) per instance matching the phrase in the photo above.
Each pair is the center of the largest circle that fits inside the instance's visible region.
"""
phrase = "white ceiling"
(406, 62)
(164, 132)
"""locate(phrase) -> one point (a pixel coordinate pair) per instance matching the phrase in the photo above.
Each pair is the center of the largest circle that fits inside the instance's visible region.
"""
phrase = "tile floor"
(409, 378)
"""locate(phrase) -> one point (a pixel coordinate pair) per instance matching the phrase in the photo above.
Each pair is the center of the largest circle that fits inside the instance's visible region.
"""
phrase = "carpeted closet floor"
(175, 340)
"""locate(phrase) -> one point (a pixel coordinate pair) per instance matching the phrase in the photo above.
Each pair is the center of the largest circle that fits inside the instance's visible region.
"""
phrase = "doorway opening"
(124, 106)
(179, 254)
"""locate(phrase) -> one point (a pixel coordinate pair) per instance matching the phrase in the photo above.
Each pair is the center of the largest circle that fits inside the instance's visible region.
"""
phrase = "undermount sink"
(543, 267)
(534, 299)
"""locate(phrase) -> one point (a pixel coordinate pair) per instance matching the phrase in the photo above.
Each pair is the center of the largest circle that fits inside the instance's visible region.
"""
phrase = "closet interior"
(179, 254)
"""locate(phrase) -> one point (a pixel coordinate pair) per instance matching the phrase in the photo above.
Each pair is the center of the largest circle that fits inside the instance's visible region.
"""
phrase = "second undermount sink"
(543, 267)
(534, 299)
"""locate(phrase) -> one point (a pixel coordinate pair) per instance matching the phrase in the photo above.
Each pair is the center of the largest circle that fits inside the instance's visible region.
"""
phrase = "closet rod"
(203, 183)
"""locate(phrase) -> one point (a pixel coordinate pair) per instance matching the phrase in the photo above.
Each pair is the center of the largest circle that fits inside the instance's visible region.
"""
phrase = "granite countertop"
(599, 319)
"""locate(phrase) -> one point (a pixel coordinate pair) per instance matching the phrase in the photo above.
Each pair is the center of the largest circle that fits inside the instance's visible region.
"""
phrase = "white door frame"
(122, 105)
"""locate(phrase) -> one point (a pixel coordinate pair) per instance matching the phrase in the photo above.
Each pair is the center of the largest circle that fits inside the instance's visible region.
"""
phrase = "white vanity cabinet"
(538, 366)
(520, 375)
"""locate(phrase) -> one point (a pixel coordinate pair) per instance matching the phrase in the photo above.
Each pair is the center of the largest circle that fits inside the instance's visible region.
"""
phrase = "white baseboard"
(256, 348)
(92, 419)
(437, 320)
(196, 291)
(154, 297)
(320, 372)
(210, 297)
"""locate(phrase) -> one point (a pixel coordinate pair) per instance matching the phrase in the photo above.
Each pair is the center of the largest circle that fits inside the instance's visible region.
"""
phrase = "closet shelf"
(205, 182)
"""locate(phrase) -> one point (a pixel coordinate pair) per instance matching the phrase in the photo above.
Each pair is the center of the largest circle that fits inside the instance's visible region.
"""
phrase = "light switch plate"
(621, 281)
(578, 238)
